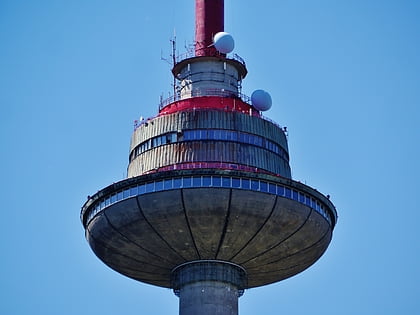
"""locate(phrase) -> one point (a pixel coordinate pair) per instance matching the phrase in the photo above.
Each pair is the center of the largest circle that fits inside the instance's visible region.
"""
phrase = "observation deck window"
(295, 195)
(226, 182)
(126, 193)
(177, 182)
(236, 182)
(264, 186)
(246, 183)
(207, 181)
(280, 190)
(159, 185)
(308, 201)
(272, 189)
(142, 189)
(255, 185)
(133, 191)
(301, 197)
(217, 181)
(211, 181)
(210, 134)
(197, 181)
(167, 184)
(186, 182)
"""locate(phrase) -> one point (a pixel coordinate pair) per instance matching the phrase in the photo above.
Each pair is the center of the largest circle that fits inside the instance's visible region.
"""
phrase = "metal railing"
(191, 54)
(204, 92)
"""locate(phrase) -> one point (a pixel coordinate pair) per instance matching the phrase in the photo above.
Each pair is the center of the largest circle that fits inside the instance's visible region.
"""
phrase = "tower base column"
(208, 287)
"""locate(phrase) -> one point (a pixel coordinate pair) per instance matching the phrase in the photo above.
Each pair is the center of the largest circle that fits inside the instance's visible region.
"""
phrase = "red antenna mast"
(209, 20)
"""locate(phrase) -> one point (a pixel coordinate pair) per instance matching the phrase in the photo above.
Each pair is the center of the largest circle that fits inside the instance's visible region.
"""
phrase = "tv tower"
(209, 207)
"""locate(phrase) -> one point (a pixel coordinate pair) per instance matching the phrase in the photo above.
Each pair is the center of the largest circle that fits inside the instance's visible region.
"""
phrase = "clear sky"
(344, 77)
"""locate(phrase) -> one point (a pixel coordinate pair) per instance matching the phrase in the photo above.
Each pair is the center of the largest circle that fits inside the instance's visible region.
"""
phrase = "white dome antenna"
(261, 100)
(224, 42)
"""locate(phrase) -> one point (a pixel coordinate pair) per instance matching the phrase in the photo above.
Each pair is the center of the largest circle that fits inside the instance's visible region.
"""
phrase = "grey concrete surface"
(146, 237)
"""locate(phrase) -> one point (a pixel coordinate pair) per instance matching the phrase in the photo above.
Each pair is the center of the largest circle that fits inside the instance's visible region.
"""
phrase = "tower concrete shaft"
(209, 207)
(208, 287)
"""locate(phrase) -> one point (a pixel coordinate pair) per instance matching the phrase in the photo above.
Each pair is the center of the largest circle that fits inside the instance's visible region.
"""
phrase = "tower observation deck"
(209, 207)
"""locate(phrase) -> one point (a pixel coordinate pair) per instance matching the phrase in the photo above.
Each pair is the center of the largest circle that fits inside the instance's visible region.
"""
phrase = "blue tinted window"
(263, 186)
(271, 188)
(150, 187)
(102, 205)
(308, 201)
(280, 190)
(159, 185)
(226, 181)
(295, 195)
(246, 183)
(126, 193)
(186, 182)
(177, 183)
(301, 197)
(120, 195)
(206, 181)
(288, 192)
(197, 181)
(236, 182)
(107, 202)
(217, 181)
(226, 134)
(133, 191)
(255, 185)
(113, 198)
(167, 184)
(142, 189)
(211, 134)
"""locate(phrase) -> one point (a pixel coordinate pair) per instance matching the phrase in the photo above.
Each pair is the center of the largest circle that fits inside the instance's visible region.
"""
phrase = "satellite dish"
(224, 42)
(261, 100)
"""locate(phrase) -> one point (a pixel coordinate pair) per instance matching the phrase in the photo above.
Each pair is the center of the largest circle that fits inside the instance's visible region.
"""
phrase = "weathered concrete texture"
(209, 151)
(208, 287)
(208, 119)
(248, 212)
(271, 237)
(207, 218)
(208, 298)
(165, 213)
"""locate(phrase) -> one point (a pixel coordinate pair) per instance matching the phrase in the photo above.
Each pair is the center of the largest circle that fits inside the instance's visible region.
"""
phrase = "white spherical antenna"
(261, 100)
(224, 42)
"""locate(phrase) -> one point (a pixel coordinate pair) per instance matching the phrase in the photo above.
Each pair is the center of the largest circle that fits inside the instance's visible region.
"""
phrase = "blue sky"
(344, 78)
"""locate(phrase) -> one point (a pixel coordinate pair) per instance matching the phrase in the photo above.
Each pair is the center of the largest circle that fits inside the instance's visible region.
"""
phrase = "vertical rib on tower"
(209, 20)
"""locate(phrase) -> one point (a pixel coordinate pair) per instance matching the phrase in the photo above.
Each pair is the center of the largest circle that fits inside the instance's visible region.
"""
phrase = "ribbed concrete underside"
(272, 237)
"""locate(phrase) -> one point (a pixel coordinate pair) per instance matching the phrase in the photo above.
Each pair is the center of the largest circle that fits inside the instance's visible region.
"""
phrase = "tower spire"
(209, 20)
